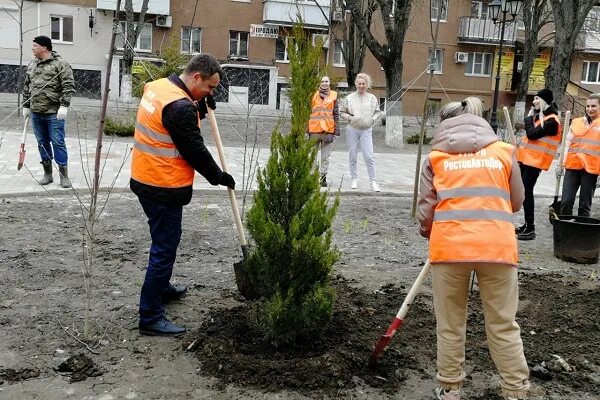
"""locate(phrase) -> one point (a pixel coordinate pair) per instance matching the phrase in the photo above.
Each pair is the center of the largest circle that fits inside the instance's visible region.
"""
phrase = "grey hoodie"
(463, 134)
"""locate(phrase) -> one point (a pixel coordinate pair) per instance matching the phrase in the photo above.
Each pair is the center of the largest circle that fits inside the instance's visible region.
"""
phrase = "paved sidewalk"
(395, 172)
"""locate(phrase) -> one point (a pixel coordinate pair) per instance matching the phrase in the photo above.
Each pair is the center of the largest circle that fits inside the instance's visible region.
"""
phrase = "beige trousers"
(325, 148)
(500, 296)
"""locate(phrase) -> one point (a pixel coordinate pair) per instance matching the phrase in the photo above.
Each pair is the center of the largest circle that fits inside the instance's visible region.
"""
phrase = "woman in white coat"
(361, 110)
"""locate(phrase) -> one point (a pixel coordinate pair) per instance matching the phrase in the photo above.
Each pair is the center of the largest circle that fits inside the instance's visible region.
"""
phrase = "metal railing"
(483, 30)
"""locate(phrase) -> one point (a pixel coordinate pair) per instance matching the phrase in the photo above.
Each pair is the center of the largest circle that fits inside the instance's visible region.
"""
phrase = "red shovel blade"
(21, 157)
(383, 342)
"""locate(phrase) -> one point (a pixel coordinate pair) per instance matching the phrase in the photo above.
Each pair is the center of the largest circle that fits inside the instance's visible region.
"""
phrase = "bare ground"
(42, 301)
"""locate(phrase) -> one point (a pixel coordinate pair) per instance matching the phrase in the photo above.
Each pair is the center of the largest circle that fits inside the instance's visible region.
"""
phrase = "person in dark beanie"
(47, 92)
(536, 152)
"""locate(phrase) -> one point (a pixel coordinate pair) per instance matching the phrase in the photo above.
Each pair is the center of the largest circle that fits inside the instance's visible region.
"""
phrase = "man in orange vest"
(168, 148)
(536, 152)
(323, 124)
(470, 188)
(582, 161)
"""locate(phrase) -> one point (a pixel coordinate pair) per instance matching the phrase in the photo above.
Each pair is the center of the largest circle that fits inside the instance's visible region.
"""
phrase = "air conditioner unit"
(324, 38)
(337, 16)
(165, 21)
(461, 58)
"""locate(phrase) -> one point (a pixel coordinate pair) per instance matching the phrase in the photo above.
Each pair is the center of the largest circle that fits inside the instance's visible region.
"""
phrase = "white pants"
(362, 140)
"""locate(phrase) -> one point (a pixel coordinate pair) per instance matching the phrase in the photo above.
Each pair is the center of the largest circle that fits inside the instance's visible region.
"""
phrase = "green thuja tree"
(290, 220)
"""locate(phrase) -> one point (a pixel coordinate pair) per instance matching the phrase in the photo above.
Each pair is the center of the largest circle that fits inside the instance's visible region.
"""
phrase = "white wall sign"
(264, 31)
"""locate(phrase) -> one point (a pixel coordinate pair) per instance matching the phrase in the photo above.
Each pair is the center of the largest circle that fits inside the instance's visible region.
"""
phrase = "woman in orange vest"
(582, 161)
(536, 152)
(323, 124)
(470, 188)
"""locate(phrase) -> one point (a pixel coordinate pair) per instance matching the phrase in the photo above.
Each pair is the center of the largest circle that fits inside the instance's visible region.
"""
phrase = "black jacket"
(180, 118)
(550, 125)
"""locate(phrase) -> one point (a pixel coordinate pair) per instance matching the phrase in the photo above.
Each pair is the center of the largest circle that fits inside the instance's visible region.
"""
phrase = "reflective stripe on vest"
(155, 159)
(539, 153)
(321, 119)
(473, 220)
(584, 150)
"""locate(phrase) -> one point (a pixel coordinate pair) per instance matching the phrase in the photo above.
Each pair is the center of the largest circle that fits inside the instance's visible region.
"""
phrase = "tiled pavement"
(395, 172)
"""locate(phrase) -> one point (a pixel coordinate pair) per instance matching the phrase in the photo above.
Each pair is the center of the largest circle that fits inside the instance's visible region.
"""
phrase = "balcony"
(484, 31)
(158, 7)
(588, 42)
(286, 12)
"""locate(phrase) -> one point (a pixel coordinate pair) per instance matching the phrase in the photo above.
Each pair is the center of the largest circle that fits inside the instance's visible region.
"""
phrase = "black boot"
(528, 233)
(64, 176)
(323, 181)
(47, 173)
(520, 229)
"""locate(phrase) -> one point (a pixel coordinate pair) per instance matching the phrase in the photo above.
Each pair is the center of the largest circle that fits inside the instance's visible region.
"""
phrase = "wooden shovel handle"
(509, 127)
(414, 290)
(563, 145)
(234, 207)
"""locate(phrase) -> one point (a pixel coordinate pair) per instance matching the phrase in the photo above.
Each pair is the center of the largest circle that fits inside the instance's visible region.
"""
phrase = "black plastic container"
(576, 239)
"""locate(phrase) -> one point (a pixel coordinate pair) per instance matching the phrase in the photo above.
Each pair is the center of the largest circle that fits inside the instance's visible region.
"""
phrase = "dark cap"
(43, 41)
(546, 95)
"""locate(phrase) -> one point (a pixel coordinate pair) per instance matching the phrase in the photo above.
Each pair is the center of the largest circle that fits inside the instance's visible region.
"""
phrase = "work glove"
(329, 138)
(26, 112)
(61, 113)
(202, 104)
(227, 180)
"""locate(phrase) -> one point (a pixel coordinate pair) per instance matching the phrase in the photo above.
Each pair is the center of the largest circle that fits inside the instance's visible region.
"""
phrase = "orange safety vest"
(321, 120)
(540, 153)
(155, 160)
(584, 150)
(473, 221)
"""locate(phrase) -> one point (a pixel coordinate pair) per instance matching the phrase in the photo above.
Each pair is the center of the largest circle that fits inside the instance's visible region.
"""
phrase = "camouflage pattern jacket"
(49, 84)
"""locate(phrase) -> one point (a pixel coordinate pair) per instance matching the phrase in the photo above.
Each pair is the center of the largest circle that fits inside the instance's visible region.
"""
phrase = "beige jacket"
(463, 134)
(361, 112)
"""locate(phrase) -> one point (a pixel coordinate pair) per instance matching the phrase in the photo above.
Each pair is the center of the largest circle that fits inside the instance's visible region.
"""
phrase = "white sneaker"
(375, 187)
(442, 394)
(354, 184)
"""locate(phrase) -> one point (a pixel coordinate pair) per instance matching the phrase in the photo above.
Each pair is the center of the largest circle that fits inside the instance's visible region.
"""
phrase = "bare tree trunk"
(389, 55)
(133, 32)
(569, 16)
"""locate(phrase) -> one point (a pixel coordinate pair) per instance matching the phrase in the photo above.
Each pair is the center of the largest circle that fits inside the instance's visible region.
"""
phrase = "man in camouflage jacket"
(49, 85)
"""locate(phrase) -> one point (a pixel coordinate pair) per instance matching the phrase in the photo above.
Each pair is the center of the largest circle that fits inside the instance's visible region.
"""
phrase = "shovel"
(556, 204)
(242, 278)
(399, 319)
(509, 127)
(22, 147)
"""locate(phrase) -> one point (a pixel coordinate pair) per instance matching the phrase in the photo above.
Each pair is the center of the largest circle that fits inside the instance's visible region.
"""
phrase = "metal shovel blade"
(384, 340)
(21, 157)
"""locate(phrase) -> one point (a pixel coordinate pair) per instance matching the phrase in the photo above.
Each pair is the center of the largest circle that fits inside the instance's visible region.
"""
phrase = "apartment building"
(249, 37)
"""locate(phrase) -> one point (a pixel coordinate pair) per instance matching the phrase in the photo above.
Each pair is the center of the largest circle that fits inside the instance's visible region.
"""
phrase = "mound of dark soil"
(564, 317)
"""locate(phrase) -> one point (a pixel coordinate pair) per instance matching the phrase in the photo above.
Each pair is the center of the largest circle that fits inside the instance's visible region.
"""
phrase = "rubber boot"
(64, 176)
(47, 173)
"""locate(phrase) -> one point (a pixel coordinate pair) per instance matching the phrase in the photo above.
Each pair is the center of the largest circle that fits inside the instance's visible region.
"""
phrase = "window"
(589, 73)
(479, 9)
(238, 44)
(61, 29)
(338, 55)
(479, 64)
(438, 62)
(281, 46)
(144, 40)
(190, 40)
(439, 7)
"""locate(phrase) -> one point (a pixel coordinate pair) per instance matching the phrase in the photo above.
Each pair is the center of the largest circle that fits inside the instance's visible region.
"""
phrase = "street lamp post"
(512, 7)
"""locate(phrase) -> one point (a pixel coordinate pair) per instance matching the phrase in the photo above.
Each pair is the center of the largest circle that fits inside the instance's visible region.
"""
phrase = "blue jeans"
(50, 135)
(165, 230)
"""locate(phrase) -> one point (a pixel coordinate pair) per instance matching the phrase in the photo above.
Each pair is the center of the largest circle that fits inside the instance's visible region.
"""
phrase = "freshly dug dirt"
(42, 304)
